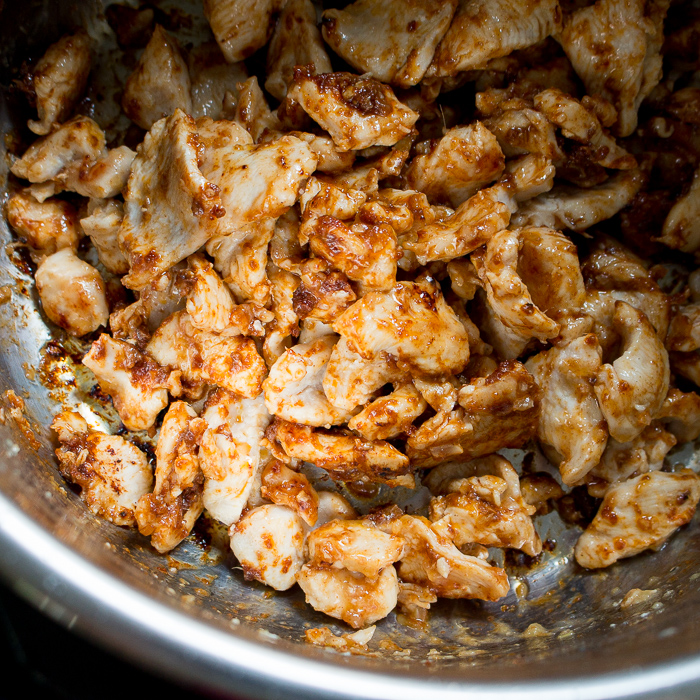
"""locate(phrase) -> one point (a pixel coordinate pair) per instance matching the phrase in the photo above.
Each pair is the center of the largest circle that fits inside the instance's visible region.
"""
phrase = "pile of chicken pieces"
(355, 281)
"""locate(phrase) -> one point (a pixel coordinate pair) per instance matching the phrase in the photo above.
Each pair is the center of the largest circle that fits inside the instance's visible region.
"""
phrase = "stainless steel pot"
(192, 618)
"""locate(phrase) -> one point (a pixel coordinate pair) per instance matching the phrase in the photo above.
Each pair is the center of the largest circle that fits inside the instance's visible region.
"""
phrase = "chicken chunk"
(680, 413)
(681, 229)
(290, 488)
(296, 41)
(357, 111)
(136, 384)
(333, 506)
(323, 294)
(170, 512)
(160, 83)
(59, 80)
(72, 293)
(170, 208)
(112, 473)
(638, 514)
(102, 226)
(432, 561)
(632, 390)
(463, 161)
(486, 29)
(268, 541)
(571, 421)
(392, 41)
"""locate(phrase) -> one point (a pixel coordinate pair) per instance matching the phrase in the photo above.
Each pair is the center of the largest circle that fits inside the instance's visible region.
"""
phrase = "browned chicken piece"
(170, 512)
(293, 389)
(392, 41)
(72, 293)
(357, 111)
(296, 41)
(680, 413)
(582, 125)
(497, 411)
(445, 478)
(389, 416)
(290, 488)
(414, 601)
(323, 293)
(323, 197)
(681, 229)
(333, 506)
(638, 514)
(231, 362)
(254, 114)
(472, 225)
(210, 305)
(102, 225)
(684, 329)
(486, 507)
(46, 226)
(614, 46)
(342, 454)
(353, 545)
(59, 80)
(170, 209)
(241, 27)
(632, 389)
(486, 29)
(571, 422)
(112, 473)
(623, 460)
(578, 208)
(439, 393)
(212, 80)
(136, 384)
(268, 541)
(525, 177)
(463, 161)
(285, 250)
(330, 159)
(433, 562)
(540, 490)
(278, 336)
(352, 598)
(160, 83)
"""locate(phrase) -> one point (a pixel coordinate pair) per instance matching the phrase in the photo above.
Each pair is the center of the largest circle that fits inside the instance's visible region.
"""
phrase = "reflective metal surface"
(190, 615)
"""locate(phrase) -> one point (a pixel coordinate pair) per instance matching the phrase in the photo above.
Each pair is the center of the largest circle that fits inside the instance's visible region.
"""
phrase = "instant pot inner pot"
(585, 633)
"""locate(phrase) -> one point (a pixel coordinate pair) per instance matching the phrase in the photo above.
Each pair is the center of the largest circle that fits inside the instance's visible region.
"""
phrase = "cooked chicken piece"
(571, 421)
(296, 41)
(46, 226)
(102, 226)
(160, 83)
(366, 253)
(170, 209)
(486, 507)
(209, 304)
(353, 545)
(231, 362)
(499, 267)
(357, 111)
(681, 229)
(72, 293)
(539, 490)
(350, 597)
(323, 293)
(107, 177)
(352, 381)
(684, 330)
(230, 452)
(59, 80)
(241, 27)
(333, 506)
(321, 197)
(170, 512)
(268, 541)
(632, 390)
(622, 460)
(388, 416)
(279, 334)
(524, 178)
(415, 601)
(680, 413)
(432, 561)
(472, 225)
(614, 47)
(440, 394)
(463, 161)
(582, 125)
(638, 514)
(136, 384)
(464, 280)
(445, 478)
(486, 29)
(253, 112)
(330, 159)
(392, 41)
(286, 487)
(412, 323)
(342, 454)
(211, 80)
(112, 473)
(285, 250)
(579, 209)
(293, 389)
